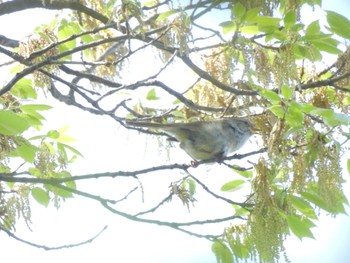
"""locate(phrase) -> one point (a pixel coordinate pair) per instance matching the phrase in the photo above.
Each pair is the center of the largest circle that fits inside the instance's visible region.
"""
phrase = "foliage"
(264, 62)
(43, 156)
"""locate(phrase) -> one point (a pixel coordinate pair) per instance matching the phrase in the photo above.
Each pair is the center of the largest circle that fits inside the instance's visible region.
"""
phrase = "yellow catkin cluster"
(283, 66)
(320, 98)
(218, 65)
(267, 225)
(343, 65)
(263, 66)
(328, 174)
(88, 21)
(36, 43)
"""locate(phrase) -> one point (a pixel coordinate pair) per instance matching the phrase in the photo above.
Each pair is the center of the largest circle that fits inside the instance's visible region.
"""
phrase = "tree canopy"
(183, 61)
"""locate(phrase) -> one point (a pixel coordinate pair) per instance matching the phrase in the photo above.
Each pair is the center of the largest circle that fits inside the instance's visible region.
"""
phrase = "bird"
(205, 140)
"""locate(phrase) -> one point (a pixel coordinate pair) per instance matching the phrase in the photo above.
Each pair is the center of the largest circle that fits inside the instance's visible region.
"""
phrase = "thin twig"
(52, 248)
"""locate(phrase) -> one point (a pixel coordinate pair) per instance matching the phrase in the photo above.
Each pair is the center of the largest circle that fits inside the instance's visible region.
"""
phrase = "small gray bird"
(206, 140)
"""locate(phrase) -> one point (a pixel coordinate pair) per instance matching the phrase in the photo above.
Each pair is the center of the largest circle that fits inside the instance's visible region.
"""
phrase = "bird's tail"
(145, 124)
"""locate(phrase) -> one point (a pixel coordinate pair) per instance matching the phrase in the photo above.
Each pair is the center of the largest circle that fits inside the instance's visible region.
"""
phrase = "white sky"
(106, 148)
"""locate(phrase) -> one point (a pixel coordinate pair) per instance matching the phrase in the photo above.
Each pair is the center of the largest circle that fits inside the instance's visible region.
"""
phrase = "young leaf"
(34, 171)
(313, 28)
(232, 185)
(24, 89)
(250, 29)
(11, 123)
(286, 92)
(339, 24)
(290, 19)
(53, 134)
(70, 148)
(27, 151)
(267, 21)
(238, 10)
(41, 196)
(191, 186)
(300, 226)
(328, 45)
(166, 15)
(59, 191)
(244, 173)
(294, 116)
(271, 95)
(278, 110)
(222, 253)
(65, 138)
(303, 206)
(316, 199)
(240, 211)
(35, 107)
(151, 95)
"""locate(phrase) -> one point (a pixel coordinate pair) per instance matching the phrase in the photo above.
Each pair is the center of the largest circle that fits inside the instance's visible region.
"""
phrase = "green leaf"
(294, 116)
(346, 100)
(191, 186)
(338, 24)
(278, 110)
(238, 10)
(348, 165)
(332, 118)
(166, 14)
(59, 191)
(267, 21)
(24, 89)
(316, 199)
(271, 96)
(33, 118)
(34, 171)
(313, 28)
(222, 253)
(245, 173)
(228, 26)
(41, 196)
(87, 38)
(64, 138)
(232, 185)
(251, 14)
(303, 206)
(340, 119)
(149, 3)
(151, 95)
(35, 107)
(70, 148)
(250, 30)
(328, 45)
(27, 151)
(30, 113)
(11, 123)
(309, 52)
(240, 211)
(300, 226)
(326, 113)
(286, 92)
(53, 134)
(290, 19)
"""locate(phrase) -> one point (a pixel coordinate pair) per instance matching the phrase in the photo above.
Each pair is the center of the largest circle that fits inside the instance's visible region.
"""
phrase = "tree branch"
(52, 248)
(19, 5)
